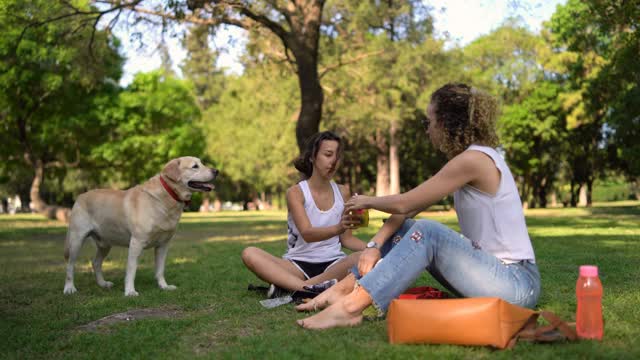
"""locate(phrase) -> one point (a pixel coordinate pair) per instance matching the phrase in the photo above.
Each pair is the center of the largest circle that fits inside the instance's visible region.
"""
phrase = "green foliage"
(571, 112)
(382, 62)
(507, 61)
(604, 38)
(200, 66)
(250, 133)
(49, 80)
(612, 189)
(533, 133)
(418, 158)
(153, 120)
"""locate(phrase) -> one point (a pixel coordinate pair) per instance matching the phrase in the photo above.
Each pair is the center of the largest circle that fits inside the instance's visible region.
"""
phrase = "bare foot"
(335, 315)
(329, 296)
(346, 312)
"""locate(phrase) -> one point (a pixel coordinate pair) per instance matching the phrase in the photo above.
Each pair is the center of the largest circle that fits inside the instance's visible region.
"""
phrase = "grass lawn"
(214, 315)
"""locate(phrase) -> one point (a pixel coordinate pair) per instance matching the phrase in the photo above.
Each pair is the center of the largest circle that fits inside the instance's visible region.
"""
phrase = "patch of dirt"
(131, 315)
(208, 342)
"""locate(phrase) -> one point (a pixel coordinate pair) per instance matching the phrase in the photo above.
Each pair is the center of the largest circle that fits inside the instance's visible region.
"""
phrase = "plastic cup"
(364, 217)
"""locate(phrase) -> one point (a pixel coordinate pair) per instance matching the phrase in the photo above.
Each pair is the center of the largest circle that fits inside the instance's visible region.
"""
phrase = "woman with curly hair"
(492, 257)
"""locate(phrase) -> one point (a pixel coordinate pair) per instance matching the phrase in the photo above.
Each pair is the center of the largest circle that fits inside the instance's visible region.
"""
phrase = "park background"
(569, 95)
(73, 119)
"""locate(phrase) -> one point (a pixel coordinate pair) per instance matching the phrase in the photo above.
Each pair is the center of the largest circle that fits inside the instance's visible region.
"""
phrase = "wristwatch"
(373, 244)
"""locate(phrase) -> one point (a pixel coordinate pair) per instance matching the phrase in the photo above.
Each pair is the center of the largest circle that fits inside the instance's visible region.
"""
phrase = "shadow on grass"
(626, 210)
(224, 320)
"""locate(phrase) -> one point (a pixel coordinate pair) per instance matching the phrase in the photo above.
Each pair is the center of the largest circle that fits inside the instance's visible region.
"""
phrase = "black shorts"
(313, 269)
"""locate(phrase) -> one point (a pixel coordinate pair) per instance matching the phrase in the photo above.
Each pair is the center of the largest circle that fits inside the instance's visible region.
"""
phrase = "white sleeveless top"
(495, 223)
(319, 251)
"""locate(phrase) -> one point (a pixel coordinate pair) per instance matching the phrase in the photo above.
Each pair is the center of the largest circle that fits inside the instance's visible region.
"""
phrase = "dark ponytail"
(312, 146)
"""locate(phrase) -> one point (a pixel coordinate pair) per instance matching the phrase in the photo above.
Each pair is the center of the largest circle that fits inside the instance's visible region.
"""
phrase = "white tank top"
(319, 251)
(495, 223)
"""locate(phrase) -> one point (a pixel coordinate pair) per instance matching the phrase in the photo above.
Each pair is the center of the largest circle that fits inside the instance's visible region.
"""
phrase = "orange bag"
(471, 321)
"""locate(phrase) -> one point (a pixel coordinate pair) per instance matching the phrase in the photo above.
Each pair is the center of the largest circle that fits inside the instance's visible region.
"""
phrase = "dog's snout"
(214, 172)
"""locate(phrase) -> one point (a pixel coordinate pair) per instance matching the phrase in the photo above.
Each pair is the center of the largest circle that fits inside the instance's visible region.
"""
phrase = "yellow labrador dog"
(142, 217)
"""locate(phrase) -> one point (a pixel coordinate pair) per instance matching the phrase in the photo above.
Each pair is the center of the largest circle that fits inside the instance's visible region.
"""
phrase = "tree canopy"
(365, 69)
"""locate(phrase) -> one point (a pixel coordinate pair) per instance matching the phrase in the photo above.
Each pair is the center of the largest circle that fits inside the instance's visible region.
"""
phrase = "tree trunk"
(522, 184)
(589, 192)
(574, 200)
(304, 42)
(394, 160)
(382, 163)
(36, 201)
(554, 199)
(311, 99)
(583, 196)
(51, 212)
(542, 193)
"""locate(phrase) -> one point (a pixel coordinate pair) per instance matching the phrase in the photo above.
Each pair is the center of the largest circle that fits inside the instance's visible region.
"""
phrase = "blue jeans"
(451, 259)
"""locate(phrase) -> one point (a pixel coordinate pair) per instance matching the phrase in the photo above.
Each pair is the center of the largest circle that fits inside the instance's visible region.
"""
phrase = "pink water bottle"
(589, 323)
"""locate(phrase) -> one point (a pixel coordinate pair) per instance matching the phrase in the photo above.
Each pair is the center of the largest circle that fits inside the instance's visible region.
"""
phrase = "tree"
(249, 133)
(200, 66)
(604, 41)
(297, 24)
(154, 119)
(533, 134)
(208, 80)
(47, 88)
(508, 61)
(374, 98)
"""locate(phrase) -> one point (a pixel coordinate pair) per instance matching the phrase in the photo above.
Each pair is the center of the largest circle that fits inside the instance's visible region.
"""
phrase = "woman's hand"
(349, 221)
(357, 202)
(368, 260)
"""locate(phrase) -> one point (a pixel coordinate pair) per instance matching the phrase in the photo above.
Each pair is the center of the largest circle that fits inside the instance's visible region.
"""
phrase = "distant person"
(317, 229)
(493, 256)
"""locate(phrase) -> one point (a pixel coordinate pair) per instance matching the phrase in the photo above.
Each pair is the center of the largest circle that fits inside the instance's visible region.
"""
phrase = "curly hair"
(303, 163)
(467, 116)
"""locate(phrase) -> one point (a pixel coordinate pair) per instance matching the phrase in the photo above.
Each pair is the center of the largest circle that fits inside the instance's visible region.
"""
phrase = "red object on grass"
(424, 292)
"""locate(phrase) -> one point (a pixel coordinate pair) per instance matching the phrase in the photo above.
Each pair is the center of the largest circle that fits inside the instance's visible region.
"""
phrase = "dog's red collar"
(172, 193)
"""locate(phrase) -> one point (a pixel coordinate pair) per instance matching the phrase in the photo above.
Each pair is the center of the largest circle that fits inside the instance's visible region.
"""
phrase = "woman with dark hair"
(492, 257)
(317, 227)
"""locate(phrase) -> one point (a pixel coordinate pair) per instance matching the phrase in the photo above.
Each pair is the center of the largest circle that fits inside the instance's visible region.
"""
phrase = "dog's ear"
(172, 170)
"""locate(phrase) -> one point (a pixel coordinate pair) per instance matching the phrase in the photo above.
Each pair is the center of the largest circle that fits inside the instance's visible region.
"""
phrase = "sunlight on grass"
(12, 244)
(224, 320)
(182, 260)
(245, 238)
(107, 265)
(563, 230)
(614, 242)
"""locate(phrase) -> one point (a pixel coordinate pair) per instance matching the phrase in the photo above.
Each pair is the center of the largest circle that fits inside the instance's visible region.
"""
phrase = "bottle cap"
(588, 270)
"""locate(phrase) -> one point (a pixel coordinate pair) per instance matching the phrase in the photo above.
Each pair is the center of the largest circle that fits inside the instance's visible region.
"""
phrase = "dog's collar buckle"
(172, 193)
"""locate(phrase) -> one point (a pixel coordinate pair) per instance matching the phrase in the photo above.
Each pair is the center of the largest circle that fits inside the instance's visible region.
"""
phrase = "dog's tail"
(71, 226)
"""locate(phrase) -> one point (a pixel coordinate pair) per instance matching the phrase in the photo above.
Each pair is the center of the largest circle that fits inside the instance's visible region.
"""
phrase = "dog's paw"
(169, 287)
(106, 284)
(70, 289)
(131, 293)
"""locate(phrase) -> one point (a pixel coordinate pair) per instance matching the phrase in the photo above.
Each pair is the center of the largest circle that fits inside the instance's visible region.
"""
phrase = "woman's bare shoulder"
(344, 190)
(294, 191)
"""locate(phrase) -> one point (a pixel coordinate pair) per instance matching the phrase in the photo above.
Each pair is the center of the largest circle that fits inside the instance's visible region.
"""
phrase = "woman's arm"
(347, 238)
(370, 256)
(351, 242)
(459, 171)
(389, 228)
(295, 204)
